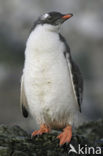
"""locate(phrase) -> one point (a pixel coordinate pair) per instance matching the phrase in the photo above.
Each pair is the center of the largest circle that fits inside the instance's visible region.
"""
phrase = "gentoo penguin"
(51, 84)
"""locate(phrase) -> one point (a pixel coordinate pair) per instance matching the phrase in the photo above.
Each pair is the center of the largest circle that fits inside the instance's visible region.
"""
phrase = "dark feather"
(78, 82)
(23, 99)
(24, 111)
(76, 74)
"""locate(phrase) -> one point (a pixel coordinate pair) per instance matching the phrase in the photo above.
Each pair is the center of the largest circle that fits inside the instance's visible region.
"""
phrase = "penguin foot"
(43, 129)
(66, 135)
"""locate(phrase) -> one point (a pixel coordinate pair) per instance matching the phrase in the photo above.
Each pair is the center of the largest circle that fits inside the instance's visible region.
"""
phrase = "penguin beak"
(67, 16)
(62, 19)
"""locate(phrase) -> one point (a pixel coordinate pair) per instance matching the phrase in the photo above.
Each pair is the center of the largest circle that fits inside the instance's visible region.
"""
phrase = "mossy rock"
(14, 141)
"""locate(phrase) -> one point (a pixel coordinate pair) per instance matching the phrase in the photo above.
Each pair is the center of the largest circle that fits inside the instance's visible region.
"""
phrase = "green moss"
(4, 151)
(14, 141)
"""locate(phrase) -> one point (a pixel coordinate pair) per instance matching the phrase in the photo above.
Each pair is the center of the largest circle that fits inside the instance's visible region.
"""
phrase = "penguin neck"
(48, 28)
(43, 35)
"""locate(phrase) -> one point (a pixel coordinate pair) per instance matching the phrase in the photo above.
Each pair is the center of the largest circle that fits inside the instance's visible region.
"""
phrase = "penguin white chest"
(47, 78)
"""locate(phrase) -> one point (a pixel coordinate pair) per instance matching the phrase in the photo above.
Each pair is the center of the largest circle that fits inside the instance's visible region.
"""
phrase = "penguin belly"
(48, 83)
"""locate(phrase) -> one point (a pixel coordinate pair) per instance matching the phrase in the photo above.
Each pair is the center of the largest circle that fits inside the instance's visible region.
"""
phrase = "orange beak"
(67, 16)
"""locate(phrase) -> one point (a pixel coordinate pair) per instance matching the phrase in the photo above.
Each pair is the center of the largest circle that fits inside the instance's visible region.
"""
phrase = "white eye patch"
(45, 16)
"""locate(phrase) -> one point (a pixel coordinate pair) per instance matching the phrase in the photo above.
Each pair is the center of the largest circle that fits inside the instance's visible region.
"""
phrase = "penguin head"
(52, 20)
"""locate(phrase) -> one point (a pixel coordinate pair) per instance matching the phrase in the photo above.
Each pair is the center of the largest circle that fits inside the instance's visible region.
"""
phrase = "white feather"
(47, 78)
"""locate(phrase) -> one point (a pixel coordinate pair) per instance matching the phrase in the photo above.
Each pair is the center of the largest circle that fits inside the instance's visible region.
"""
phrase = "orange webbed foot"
(43, 129)
(65, 136)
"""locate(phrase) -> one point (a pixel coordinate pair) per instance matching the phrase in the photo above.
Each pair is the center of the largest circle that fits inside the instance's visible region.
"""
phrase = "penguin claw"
(65, 136)
(43, 129)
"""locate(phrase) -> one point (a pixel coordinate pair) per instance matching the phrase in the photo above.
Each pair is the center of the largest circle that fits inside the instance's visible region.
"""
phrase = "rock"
(14, 141)
(4, 151)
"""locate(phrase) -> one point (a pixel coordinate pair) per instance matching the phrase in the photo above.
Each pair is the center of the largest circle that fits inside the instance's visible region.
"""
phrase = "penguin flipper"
(23, 99)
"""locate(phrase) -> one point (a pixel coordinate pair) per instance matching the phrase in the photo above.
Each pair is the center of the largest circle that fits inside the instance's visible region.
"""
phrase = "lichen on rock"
(14, 141)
